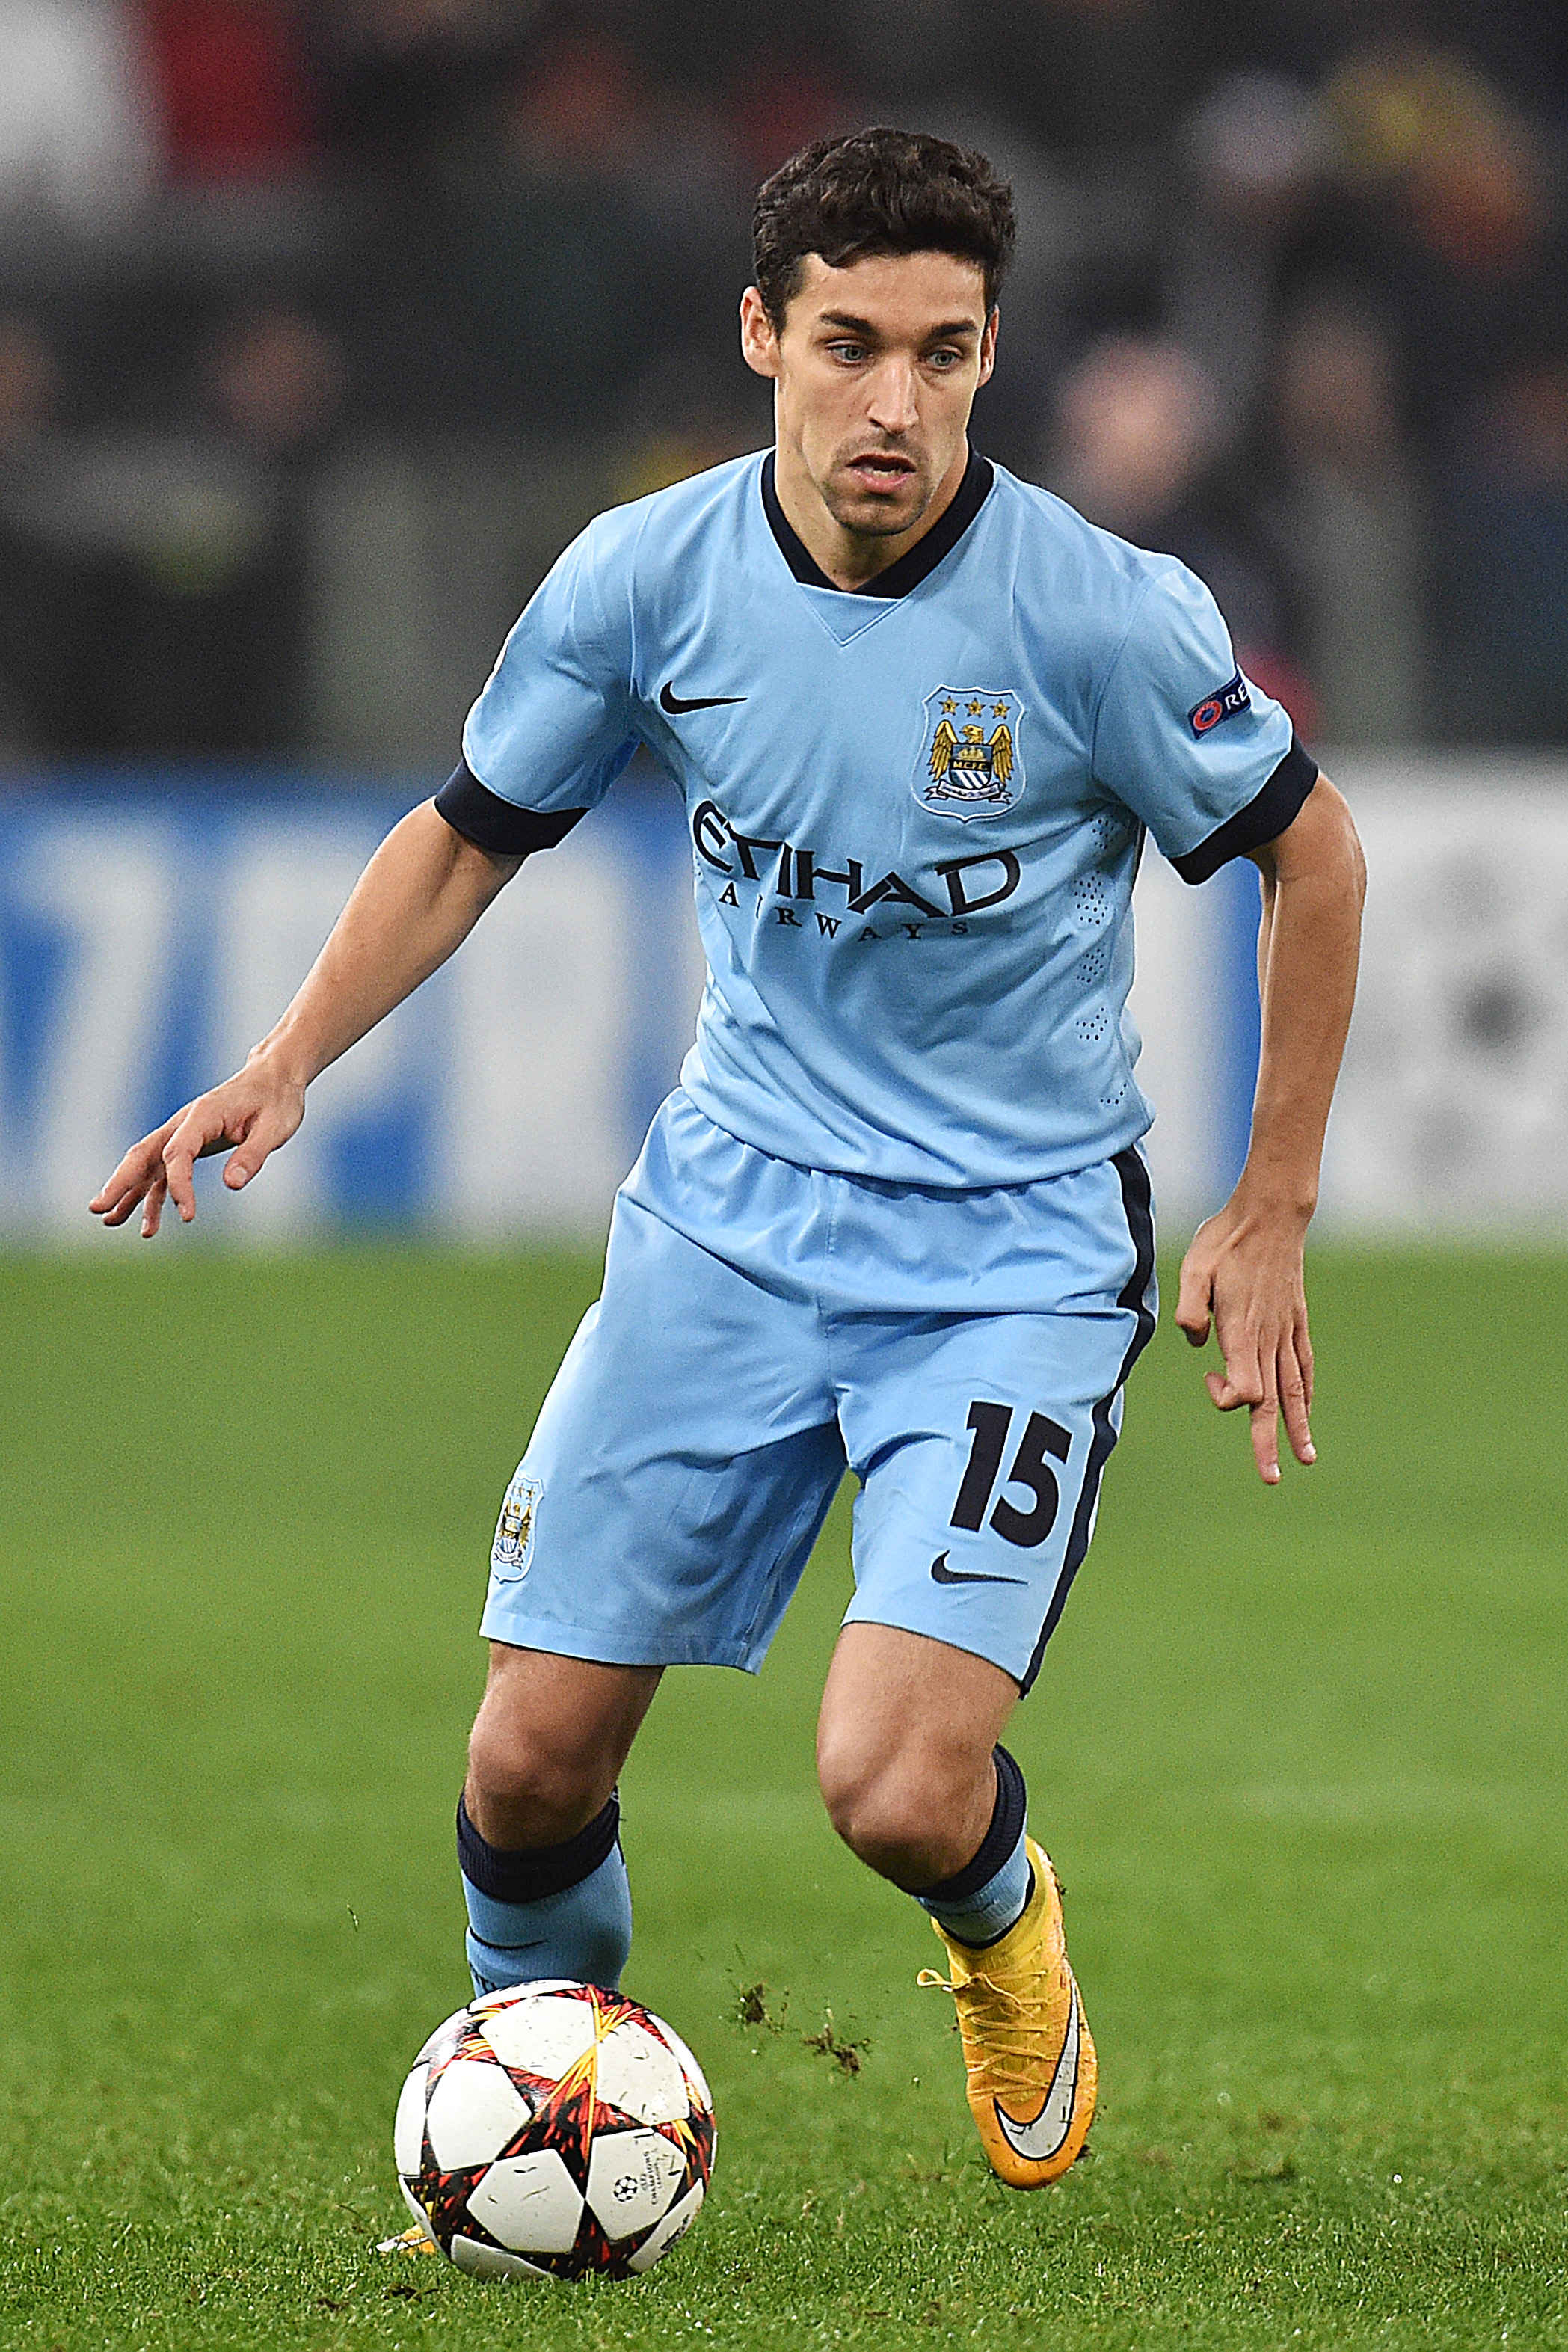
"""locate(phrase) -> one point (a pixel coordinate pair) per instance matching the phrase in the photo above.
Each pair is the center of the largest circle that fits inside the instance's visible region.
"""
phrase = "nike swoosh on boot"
(1038, 2140)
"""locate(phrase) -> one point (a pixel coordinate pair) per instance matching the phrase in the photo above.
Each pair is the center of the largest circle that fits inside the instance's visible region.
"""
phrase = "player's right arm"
(552, 729)
(416, 901)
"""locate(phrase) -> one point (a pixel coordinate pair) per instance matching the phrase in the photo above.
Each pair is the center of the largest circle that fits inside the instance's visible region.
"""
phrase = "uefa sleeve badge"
(514, 1545)
(970, 763)
(1226, 701)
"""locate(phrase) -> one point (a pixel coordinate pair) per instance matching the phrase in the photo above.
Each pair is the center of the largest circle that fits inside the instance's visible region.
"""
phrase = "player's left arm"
(1243, 1274)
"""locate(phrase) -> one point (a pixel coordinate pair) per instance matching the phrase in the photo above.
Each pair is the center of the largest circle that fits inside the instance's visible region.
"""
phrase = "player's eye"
(944, 359)
(850, 354)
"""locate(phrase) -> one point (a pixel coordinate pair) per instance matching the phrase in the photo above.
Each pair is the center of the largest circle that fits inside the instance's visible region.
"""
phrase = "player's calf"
(897, 1762)
(904, 1751)
(905, 1817)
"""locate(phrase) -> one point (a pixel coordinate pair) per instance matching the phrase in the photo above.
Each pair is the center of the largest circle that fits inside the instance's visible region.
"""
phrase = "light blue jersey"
(916, 810)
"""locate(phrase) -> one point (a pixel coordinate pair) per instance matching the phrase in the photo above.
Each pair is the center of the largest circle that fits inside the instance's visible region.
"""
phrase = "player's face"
(875, 372)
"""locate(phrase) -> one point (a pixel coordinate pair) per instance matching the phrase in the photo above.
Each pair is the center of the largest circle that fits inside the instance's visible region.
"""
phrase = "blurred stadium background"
(323, 326)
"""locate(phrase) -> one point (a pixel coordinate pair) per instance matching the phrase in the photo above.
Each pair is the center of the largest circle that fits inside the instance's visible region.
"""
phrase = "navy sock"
(981, 1902)
(547, 1911)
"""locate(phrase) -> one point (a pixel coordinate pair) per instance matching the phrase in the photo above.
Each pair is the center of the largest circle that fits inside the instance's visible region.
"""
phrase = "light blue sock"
(985, 1917)
(585, 1932)
(979, 1902)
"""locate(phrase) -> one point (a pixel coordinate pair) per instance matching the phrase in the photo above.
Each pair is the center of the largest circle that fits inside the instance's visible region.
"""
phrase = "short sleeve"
(553, 727)
(1188, 742)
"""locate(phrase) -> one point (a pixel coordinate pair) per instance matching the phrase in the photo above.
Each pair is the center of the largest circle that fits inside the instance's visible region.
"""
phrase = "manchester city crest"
(514, 1545)
(970, 763)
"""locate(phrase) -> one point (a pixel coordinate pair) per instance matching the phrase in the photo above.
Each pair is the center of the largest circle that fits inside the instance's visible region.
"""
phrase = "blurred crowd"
(323, 325)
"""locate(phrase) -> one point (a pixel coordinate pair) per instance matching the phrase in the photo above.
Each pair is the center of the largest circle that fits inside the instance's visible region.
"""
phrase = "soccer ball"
(554, 2130)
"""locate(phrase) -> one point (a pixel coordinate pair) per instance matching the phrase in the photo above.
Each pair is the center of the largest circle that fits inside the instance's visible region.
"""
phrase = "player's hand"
(1243, 1277)
(256, 1110)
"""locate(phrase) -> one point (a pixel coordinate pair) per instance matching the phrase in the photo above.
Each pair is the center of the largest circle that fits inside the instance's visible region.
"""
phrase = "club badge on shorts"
(513, 1548)
(970, 764)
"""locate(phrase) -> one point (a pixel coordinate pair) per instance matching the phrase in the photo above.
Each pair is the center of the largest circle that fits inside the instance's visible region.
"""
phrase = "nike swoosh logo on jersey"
(1039, 2141)
(676, 703)
(942, 1574)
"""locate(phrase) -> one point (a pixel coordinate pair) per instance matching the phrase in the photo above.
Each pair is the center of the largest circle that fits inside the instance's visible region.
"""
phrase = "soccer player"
(895, 1216)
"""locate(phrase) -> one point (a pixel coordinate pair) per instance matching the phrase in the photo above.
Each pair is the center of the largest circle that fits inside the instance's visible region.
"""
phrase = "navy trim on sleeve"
(1263, 819)
(491, 823)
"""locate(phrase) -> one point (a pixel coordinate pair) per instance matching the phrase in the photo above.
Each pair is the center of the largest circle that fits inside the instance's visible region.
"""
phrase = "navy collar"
(912, 567)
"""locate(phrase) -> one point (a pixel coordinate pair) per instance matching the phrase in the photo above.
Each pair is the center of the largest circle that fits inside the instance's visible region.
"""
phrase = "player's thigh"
(679, 1470)
(980, 1442)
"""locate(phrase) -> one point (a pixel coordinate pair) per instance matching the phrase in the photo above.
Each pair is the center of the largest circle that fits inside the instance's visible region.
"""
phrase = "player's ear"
(758, 338)
(988, 346)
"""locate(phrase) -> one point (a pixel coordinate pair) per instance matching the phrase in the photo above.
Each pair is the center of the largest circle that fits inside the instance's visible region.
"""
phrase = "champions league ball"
(554, 2130)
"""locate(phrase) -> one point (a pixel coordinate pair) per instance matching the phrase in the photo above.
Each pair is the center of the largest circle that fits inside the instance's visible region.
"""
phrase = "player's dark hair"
(879, 191)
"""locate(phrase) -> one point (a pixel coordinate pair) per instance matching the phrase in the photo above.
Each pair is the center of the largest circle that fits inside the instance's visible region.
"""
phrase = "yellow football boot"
(1026, 2047)
(413, 2241)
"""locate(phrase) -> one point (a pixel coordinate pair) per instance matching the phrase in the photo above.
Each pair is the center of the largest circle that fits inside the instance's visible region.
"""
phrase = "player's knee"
(524, 1790)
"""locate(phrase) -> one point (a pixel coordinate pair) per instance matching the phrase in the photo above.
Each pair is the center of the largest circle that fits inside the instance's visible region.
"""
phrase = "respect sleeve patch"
(1226, 702)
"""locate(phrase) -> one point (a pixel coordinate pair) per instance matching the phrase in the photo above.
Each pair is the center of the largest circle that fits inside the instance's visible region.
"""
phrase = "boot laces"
(1004, 2032)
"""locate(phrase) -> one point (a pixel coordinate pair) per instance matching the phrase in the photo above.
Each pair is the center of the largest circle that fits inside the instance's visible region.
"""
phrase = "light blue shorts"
(763, 1326)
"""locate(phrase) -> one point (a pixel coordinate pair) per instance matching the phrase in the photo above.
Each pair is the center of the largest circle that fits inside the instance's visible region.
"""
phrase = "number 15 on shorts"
(991, 1426)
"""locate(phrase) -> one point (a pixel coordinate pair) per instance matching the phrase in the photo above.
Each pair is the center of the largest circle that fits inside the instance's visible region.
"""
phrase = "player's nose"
(893, 405)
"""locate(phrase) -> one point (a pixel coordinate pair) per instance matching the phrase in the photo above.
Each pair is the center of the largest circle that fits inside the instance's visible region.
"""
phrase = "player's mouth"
(881, 470)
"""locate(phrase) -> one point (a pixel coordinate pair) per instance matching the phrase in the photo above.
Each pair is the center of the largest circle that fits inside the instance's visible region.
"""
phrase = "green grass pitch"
(1301, 1757)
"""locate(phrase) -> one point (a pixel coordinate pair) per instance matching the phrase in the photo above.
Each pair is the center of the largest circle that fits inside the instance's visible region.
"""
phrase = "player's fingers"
(1193, 1299)
(109, 1196)
(1227, 1397)
(1266, 1440)
(195, 1134)
(116, 1203)
(152, 1209)
(252, 1155)
(1294, 1404)
(260, 1140)
(121, 1210)
(178, 1186)
(115, 1200)
(1247, 1376)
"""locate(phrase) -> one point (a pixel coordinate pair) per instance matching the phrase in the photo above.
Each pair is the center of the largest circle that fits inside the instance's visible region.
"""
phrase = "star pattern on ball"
(557, 2129)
